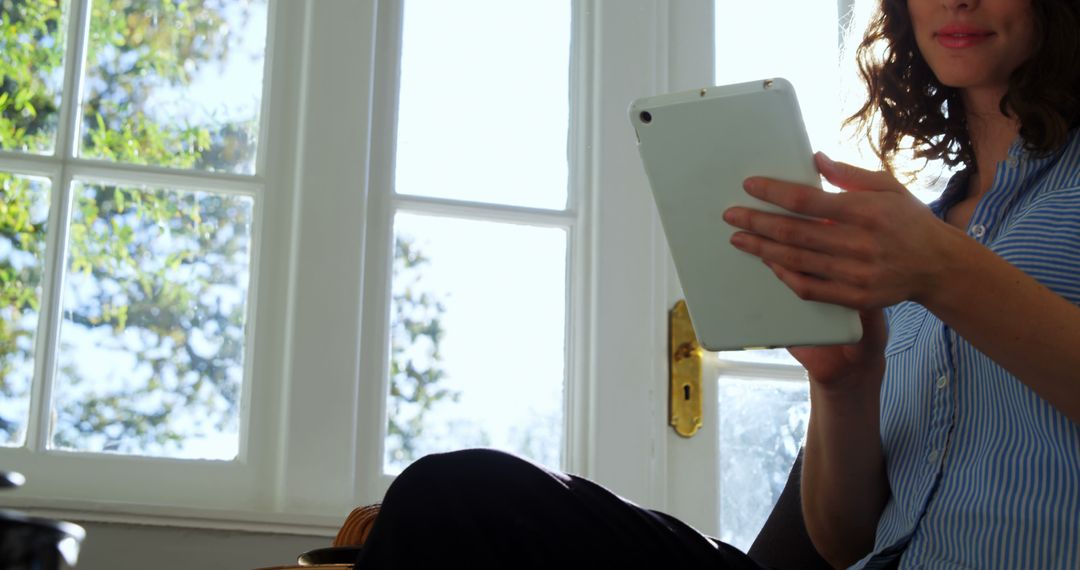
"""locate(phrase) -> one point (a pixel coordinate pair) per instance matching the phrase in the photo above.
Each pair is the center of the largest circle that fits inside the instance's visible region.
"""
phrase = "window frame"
(113, 487)
(385, 203)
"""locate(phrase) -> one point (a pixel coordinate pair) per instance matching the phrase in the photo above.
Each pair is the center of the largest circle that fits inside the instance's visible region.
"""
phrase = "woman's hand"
(849, 366)
(867, 248)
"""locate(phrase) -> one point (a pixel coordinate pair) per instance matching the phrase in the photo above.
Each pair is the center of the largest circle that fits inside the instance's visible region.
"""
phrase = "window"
(133, 170)
(483, 218)
(185, 228)
(130, 205)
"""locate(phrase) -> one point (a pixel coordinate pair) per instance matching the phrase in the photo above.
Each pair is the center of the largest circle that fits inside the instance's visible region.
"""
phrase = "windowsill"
(177, 517)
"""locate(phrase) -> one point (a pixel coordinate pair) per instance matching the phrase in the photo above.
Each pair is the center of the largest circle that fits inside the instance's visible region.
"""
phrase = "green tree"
(29, 105)
(156, 278)
(415, 373)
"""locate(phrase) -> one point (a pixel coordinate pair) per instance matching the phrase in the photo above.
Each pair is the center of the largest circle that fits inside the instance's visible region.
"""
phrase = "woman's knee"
(467, 473)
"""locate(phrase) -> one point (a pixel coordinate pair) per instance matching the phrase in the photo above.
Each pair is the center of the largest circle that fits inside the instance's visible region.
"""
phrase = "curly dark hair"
(909, 101)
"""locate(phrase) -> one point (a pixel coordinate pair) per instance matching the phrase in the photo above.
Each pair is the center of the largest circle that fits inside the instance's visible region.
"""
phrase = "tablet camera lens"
(646, 117)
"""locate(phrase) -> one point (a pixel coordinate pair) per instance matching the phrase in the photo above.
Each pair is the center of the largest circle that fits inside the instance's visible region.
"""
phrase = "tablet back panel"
(697, 148)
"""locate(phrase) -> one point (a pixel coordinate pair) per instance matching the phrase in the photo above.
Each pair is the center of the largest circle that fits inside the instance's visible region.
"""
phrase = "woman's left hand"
(867, 248)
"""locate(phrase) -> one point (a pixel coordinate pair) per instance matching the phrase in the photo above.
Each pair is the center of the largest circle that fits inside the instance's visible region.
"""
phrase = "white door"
(725, 479)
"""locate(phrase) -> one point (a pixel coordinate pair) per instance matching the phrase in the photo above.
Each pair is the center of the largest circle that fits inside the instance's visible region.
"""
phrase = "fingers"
(794, 197)
(868, 210)
(816, 235)
(811, 288)
(844, 252)
(824, 266)
(814, 202)
(853, 178)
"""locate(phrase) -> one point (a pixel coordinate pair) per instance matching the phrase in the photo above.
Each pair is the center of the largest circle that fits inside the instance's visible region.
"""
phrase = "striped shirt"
(983, 472)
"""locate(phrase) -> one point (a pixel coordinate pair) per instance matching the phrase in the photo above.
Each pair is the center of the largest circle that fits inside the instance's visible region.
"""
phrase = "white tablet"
(697, 148)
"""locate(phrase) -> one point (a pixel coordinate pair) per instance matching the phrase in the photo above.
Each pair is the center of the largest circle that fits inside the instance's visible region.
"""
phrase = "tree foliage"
(152, 342)
(415, 373)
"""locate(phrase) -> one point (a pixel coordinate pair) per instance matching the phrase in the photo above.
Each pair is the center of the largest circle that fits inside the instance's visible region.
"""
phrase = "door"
(725, 479)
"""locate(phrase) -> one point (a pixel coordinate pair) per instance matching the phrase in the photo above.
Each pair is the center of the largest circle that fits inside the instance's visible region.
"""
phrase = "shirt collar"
(955, 190)
(1018, 156)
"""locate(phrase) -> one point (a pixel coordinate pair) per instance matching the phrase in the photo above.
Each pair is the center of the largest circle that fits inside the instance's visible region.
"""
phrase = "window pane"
(762, 426)
(151, 358)
(477, 339)
(484, 101)
(175, 84)
(32, 38)
(24, 211)
(808, 56)
(771, 356)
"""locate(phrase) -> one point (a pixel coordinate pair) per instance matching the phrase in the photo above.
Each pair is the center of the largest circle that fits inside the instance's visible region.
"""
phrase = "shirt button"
(942, 382)
(932, 457)
(1013, 162)
(978, 230)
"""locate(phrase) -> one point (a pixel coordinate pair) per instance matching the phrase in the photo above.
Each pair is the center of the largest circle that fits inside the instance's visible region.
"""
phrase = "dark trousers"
(488, 509)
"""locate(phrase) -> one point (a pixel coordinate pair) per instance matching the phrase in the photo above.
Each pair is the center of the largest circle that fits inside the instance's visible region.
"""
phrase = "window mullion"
(78, 32)
(156, 176)
(324, 315)
(760, 370)
(38, 426)
(375, 348)
(266, 102)
(483, 212)
(29, 164)
(627, 291)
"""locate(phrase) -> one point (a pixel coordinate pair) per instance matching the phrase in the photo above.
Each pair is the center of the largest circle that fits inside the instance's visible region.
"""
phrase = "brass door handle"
(684, 373)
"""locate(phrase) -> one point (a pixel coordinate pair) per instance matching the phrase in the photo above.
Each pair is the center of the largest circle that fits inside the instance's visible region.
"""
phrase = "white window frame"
(119, 488)
(384, 203)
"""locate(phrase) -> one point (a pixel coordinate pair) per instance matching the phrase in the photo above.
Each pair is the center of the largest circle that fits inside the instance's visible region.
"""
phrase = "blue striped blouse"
(984, 473)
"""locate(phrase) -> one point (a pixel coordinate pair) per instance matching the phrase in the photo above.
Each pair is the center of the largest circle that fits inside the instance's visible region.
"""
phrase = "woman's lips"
(956, 36)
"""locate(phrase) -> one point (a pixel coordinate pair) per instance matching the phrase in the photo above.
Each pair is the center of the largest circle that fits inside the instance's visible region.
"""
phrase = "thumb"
(875, 332)
(853, 178)
(875, 336)
(874, 329)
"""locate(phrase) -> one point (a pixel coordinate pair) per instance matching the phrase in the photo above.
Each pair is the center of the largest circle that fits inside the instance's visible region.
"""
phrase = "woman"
(949, 437)
(978, 459)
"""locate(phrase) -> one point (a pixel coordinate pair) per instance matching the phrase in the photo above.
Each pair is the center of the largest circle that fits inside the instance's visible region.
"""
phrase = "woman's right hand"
(842, 365)
(844, 484)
